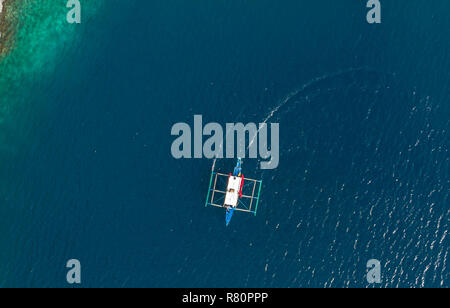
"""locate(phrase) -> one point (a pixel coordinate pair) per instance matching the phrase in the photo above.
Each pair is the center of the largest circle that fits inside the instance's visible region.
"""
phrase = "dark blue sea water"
(364, 148)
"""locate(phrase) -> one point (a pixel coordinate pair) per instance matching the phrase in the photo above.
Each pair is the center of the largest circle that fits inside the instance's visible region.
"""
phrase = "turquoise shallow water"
(86, 169)
(40, 40)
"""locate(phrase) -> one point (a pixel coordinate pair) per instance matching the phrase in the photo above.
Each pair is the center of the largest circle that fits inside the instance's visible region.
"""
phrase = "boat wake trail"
(301, 90)
(305, 87)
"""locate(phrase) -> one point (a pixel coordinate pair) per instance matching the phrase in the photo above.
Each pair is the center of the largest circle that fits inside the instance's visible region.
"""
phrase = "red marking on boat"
(242, 185)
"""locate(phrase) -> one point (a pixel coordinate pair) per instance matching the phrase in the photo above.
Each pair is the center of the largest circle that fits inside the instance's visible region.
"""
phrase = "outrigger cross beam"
(233, 192)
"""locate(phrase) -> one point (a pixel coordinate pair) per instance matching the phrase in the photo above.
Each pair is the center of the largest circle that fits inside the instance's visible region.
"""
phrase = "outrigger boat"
(238, 194)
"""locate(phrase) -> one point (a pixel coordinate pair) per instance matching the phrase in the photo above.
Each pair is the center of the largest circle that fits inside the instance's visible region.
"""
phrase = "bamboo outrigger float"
(233, 192)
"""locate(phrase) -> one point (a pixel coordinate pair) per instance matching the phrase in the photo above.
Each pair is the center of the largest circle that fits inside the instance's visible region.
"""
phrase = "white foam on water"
(288, 97)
